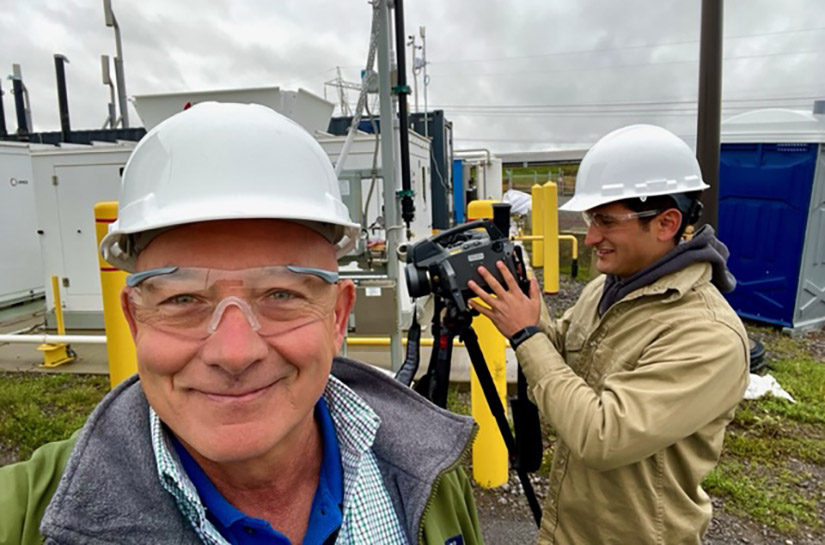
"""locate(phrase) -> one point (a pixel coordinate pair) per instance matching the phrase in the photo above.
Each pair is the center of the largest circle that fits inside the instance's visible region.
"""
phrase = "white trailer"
(21, 265)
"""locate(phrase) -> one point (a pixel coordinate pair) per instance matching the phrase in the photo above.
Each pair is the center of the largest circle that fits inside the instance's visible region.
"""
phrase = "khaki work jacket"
(639, 399)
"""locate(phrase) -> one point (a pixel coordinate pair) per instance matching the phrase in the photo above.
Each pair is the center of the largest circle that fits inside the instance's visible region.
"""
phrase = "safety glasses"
(606, 222)
(191, 301)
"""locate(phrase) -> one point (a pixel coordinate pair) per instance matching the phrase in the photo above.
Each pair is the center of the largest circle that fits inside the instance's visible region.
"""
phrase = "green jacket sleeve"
(26, 488)
(450, 516)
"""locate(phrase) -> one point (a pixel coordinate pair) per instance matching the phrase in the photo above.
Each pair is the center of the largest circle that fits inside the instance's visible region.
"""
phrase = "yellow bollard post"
(120, 349)
(537, 221)
(58, 307)
(490, 460)
(550, 199)
(56, 354)
(480, 209)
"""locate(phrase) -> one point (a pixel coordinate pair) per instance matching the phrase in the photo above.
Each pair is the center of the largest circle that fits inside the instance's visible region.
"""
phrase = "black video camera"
(444, 263)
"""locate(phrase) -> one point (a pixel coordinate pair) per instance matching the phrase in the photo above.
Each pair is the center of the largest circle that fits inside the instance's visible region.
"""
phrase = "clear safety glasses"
(190, 301)
(606, 222)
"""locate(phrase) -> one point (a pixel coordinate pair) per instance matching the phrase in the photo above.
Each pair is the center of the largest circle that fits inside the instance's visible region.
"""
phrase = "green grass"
(762, 474)
(37, 408)
(582, 275)
(458, 401)
(775, 500)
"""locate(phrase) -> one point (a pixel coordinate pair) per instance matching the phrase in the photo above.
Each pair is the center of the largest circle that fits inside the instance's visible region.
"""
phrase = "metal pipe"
(20, 106)
(62, 96)
(17, 74)
(111, 121)
(574, 252)
(53, 339)
(426, 81)
(710, 106)
(575, 242)
(402, 90)
(474, 151)
(111, 21)
(3, 131)
(388, 169)
(385, 341)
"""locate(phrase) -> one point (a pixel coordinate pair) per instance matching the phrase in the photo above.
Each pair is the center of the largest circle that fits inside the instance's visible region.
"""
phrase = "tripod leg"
(440, 379)
(497, 409)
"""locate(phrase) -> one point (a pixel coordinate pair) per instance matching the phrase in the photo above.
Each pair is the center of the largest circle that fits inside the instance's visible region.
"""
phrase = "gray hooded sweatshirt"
(110, 490)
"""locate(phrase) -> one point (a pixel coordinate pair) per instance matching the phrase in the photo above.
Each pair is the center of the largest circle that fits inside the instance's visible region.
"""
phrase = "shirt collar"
(328, 496)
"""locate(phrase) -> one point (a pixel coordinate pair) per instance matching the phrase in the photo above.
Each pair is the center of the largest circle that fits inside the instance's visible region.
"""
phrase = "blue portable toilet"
(772, 214)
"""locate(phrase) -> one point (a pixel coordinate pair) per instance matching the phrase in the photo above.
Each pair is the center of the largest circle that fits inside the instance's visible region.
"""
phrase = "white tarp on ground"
(758, 386)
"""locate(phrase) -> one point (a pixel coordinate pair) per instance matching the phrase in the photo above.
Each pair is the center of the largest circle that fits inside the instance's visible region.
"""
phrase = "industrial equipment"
(68, 181)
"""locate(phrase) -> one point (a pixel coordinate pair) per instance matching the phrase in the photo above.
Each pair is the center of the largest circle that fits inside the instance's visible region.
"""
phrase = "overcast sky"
(524, 75)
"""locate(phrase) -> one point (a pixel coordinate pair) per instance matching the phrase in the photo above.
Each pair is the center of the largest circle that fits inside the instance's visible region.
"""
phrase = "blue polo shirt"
(241, 529)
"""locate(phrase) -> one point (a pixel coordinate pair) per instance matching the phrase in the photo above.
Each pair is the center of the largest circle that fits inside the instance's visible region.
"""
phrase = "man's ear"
(343, 306)
(667, 224)
(126, 306)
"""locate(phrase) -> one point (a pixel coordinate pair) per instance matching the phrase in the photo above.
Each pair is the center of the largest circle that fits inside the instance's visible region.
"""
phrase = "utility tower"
(341, 86)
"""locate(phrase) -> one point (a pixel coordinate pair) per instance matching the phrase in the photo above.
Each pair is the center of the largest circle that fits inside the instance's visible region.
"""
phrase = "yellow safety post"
(537, 220)
(550, 200)
(480, 209)
(490, 461)
(55, 354)
(120, 349)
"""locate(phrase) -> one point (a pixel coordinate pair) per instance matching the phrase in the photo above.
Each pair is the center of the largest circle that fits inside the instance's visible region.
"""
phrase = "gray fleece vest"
(110, 490)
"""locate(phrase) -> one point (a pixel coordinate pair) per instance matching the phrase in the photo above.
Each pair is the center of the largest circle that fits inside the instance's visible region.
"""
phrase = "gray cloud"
(531, 74)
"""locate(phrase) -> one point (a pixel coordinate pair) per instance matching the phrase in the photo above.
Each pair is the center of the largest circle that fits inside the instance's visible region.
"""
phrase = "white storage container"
(68, 182)
(21, 266)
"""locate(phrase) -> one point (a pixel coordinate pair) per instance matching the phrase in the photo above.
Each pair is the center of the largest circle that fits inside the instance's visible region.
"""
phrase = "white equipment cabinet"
(360, 159)
(373, 295)
(21, 266)
(68, 182)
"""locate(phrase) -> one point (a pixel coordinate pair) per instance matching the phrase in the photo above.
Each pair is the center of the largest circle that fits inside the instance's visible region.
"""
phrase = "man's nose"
(234, 345)
(593, 237)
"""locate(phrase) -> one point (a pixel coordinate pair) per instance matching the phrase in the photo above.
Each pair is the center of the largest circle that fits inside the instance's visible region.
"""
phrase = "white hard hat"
(218, 161)
(636, 161)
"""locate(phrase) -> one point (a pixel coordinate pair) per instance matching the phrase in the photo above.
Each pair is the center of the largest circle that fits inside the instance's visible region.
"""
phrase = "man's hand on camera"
(510, 310)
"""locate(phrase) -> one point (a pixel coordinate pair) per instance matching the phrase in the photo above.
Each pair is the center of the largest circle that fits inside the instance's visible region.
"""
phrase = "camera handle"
(485, 380)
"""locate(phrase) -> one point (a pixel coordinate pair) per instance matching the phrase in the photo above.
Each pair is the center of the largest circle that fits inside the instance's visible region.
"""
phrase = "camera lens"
(418, 281)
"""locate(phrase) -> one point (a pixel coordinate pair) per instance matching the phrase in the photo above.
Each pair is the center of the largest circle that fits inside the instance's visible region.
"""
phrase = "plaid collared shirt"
(368, 514)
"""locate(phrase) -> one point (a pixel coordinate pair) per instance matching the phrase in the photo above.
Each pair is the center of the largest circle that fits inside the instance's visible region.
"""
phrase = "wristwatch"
(523, 334)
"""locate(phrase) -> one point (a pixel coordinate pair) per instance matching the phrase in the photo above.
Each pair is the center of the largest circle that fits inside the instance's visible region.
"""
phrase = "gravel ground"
(506, 518)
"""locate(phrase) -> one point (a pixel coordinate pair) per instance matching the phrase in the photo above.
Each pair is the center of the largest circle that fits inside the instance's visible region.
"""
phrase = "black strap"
(523, 334)
(409, 368)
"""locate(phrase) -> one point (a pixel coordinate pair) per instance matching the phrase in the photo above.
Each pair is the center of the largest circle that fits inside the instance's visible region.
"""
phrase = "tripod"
(435, 385)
